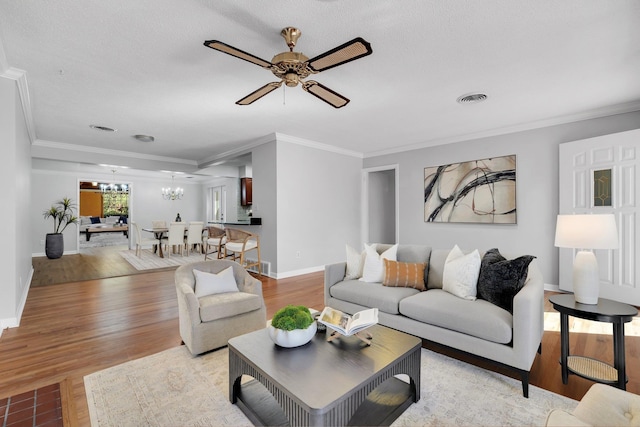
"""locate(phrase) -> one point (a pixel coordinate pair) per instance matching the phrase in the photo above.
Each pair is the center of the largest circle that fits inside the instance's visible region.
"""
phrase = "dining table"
(159, 233)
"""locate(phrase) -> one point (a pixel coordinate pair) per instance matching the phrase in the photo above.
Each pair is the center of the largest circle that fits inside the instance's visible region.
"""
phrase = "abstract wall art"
(479, 191)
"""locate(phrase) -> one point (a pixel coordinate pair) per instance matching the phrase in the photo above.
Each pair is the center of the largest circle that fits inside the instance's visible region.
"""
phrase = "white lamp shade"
(586, 231)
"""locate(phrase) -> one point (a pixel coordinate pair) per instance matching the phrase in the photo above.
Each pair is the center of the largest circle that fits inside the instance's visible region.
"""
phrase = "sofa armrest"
(333, 273)
(188, 303)
(528, 316)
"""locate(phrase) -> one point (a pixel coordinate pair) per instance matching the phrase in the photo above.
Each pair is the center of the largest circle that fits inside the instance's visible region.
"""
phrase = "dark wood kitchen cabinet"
(246, 190)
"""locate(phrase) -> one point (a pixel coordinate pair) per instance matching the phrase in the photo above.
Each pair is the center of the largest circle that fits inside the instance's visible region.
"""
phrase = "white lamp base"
(586, 279)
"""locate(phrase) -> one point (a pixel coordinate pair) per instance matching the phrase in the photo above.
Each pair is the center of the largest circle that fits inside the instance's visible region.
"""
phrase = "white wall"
(264, 165)
(537, 189)
(15, 174)
(318, 206)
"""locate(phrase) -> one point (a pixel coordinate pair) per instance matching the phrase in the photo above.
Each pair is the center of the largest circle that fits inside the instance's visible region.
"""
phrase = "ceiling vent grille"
(471, 98)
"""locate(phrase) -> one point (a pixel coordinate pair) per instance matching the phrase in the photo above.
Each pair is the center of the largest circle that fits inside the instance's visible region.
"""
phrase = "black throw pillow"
(95, 220)
(501, 279)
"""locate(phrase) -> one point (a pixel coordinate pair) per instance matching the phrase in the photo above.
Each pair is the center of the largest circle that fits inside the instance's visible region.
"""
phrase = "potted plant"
(292, 326)
(63, 214)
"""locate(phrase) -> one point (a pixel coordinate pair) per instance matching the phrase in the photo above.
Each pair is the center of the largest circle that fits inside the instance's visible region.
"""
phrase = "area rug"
(173, 388)
(100, 240)
(149, 260)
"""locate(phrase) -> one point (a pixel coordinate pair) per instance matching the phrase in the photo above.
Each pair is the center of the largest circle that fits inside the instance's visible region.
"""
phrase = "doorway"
(380, 205)
(103, 206)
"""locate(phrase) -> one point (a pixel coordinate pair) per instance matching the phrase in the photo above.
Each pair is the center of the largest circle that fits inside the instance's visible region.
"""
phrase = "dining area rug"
(174, 388)
(148, 260)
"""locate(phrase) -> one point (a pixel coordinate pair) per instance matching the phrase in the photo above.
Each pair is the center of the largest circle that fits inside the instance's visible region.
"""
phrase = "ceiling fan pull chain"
(284, 95)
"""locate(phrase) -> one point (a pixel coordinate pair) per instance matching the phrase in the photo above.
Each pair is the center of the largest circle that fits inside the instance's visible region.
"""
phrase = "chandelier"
(172, 193)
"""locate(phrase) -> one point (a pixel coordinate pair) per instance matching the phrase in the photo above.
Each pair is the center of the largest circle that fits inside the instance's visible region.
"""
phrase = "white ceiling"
(141, 67)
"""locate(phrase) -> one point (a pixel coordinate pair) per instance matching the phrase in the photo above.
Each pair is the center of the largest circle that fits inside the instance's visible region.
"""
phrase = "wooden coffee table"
(107, 229)
(325, 383)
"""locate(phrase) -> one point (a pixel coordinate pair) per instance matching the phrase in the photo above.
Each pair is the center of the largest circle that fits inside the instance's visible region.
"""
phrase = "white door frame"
(129, 205)
(364, 211)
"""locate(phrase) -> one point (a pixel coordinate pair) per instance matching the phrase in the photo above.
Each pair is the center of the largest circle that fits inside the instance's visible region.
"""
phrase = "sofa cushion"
(436, 268)
(355, 263)
(404, 274)
(95, 220)
(477, 318)
(460, 275)
(220, 306)
(501, 279)
(373, 270)
(372, 295)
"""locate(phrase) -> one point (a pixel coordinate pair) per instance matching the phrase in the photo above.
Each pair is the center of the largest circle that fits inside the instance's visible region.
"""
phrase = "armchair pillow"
(212, 283)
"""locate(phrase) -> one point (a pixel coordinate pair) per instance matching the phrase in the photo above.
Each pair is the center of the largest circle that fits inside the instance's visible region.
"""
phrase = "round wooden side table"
(605, 311)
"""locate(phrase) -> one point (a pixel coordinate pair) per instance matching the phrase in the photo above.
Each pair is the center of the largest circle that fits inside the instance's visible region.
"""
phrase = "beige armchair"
(602, 405)
(208, 322)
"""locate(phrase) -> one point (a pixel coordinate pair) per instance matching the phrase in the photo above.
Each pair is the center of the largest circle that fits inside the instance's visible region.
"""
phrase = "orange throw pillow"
(404, 274)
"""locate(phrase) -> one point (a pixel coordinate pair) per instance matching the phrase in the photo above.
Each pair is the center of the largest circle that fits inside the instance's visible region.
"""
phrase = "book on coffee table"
(348, 325)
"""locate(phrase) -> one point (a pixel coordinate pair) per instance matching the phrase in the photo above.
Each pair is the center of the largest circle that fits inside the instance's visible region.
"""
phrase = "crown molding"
(209, 161)
(97, 150)
(561, 120)
(317, 145)
(20, 77)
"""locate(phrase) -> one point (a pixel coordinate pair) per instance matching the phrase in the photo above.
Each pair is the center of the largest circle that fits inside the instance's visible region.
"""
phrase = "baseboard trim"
(300, 272)
(552, 288)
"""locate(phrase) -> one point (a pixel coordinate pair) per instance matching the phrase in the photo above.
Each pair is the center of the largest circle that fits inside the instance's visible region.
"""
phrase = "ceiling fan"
(293, 67)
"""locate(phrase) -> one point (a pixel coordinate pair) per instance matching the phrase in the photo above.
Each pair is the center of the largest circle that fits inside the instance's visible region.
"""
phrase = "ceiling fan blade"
(257, 94)
(230, 50)
(350, 51)
(324, 93)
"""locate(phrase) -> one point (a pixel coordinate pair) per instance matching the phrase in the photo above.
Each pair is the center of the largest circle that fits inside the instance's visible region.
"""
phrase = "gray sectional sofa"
(476, 327)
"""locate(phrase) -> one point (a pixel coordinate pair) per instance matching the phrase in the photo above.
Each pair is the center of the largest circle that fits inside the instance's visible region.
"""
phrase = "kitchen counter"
(253, 221)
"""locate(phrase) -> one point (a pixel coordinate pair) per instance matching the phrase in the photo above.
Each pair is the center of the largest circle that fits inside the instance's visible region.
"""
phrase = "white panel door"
(580, 193)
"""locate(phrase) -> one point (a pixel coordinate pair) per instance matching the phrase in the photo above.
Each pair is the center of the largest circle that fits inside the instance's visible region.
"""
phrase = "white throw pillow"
(460, 275)
(373, 270)
(211, 283)
(355, 263)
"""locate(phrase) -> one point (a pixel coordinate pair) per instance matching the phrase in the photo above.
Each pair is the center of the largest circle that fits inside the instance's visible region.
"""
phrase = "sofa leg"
(540, 349)
(525, 383)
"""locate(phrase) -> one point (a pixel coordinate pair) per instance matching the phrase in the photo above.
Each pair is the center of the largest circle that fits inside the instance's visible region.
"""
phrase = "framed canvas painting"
(479, 191)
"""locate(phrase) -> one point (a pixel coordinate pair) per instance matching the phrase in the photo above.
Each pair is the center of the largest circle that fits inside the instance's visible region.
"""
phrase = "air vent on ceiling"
(102, 128)
(144, 138)
(471, 98)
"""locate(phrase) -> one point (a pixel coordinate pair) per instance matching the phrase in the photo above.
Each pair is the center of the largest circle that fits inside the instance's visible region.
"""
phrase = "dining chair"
(175, 238)
(140, 242)
(239, 242)
(194, 235)
(214, 240)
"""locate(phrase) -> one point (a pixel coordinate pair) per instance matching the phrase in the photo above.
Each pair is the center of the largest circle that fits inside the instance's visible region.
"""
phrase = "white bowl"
(294, 338)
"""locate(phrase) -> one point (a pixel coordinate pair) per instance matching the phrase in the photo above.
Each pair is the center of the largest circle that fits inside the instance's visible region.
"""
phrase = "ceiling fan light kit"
(293, 67)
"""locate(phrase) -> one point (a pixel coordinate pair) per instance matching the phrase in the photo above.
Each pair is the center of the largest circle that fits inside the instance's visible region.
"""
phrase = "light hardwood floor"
(77, 327)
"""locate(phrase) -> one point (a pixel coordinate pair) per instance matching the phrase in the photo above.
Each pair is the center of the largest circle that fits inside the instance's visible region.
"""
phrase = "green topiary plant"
(292, 317)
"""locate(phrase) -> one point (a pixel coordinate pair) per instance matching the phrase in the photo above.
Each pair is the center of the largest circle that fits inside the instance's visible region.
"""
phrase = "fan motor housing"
(291, 67)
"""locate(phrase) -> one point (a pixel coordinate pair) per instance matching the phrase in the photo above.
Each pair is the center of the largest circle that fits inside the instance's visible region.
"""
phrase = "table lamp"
(586, 232)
